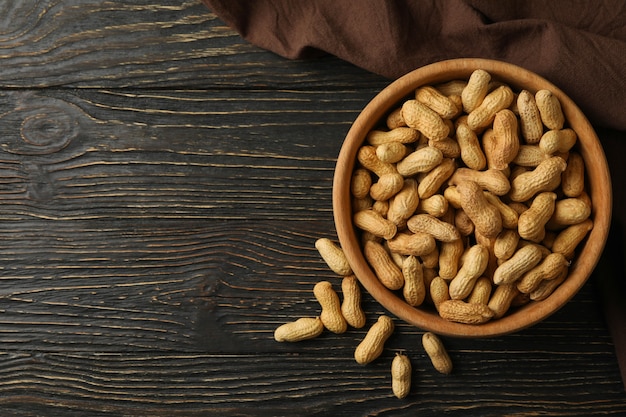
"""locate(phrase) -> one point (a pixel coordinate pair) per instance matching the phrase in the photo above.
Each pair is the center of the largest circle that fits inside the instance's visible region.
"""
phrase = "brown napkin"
(579, 46)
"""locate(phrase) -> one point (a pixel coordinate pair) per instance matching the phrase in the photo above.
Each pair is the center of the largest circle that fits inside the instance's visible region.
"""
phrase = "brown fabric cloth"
(578, 45)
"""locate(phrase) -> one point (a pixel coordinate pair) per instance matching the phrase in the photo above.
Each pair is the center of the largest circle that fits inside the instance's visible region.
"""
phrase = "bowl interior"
(598, 186)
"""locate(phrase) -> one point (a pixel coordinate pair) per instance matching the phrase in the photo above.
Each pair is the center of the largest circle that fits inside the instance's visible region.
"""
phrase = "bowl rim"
(601, 197)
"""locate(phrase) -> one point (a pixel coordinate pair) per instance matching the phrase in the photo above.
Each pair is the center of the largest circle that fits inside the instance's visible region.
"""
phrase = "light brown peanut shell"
(507, 142)
(475, 89)
(485, 216)
(483, 115)
(414, 289)
(432, 182)
(471, 151)
(475, 262)
(449, 256)
(351, 305)
(360, 183)
(420, 117)
(549, 109)
(509, 215)
(568, 211)
(481, 292)
(506, 243)
(569, 238)
(557, 141)
(365, 203)
(547, 287)
(431, 259)
(529, 156)
(404, 203)
(549, 268)
(542, 178)
(387, 186)
(502, 298)
(333, 256)
(435, 227)
(453, 87)
(331, 315)
(302, 329)
(532, 222)
(366, 155)
(437, 101)
(530, 118)
(435, 205)
(462, 312)
(401, 376)
(438, 291)
(463, 223)
(372, 345)
(524, 259)
(391, 152)
(395, 120)
(573, 178)
(373, 222)
(449, 147)
(399, 134)
(389, 274)
(416, 244)
(421, 160)
(437, 353)
(491, 180)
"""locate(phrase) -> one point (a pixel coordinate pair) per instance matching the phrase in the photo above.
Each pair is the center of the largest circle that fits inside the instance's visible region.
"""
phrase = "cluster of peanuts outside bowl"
(521, 311)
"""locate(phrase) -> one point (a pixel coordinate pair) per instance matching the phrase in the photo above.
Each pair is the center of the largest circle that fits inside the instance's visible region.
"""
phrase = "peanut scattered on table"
(401, 375)
(371, 347)
(351, 305)
(333, 256)
(437, 352)
(331, 314)
(303, 328)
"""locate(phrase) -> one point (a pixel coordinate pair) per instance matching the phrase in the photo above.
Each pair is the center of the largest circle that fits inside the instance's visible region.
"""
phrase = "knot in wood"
(47, 130)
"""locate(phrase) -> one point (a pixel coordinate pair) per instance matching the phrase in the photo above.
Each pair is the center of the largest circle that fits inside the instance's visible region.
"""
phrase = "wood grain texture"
(489, 382)
(144, 43)
(163, 184)
(200, 154)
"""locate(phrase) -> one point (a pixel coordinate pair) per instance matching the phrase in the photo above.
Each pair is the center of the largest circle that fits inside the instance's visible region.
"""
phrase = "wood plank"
(87, 154)
(215, 287)
(159, 285)
(145, 43)
(115, 208)
(208, 384)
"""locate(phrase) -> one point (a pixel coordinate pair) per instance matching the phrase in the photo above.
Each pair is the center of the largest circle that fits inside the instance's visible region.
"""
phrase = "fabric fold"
(579, 46)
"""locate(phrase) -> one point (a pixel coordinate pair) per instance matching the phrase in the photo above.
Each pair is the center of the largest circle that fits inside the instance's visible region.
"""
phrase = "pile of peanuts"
(338, 315)
(472, 198)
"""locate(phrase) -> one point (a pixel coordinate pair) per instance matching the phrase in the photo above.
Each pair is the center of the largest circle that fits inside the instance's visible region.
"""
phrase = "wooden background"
(163, 183)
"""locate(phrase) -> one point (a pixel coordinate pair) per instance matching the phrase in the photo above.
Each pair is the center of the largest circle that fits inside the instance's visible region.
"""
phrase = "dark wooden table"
(163, 184)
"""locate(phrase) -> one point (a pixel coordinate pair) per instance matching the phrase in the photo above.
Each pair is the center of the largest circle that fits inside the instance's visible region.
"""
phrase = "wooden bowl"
(598, 186)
